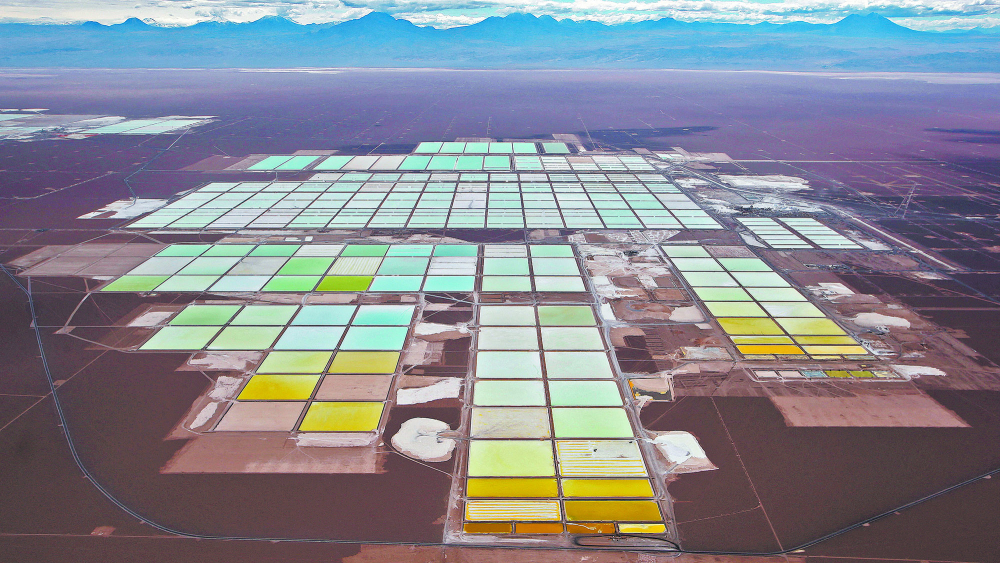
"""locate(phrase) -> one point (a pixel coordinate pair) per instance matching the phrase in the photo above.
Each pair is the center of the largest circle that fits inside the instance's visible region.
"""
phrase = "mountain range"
(856, 43)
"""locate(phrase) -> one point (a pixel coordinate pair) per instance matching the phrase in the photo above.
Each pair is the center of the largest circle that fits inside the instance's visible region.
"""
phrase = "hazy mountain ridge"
(857, 42)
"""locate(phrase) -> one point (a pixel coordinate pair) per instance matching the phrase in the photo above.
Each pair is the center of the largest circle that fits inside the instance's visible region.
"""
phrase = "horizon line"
(155, 24)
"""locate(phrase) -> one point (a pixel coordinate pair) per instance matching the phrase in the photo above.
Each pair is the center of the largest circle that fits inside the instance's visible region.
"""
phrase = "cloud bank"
(917, 14)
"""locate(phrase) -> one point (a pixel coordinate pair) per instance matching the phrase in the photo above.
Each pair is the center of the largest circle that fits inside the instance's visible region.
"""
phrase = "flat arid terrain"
(456, 315)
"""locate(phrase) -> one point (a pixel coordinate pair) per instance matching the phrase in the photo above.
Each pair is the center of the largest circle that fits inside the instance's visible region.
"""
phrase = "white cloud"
(919, 14)
(959, 22)
(438, 19)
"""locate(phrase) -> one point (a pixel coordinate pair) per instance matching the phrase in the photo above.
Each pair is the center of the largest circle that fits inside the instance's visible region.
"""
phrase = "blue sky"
(918, 14)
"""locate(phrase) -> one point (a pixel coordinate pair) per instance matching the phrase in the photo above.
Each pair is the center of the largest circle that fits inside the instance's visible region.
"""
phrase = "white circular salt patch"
(420, 438)
(872, 320)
